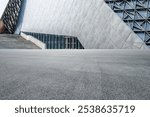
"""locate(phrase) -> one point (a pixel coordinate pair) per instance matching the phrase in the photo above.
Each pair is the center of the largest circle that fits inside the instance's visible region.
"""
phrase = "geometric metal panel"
(136, 14)
(11, 14)
(57, 41)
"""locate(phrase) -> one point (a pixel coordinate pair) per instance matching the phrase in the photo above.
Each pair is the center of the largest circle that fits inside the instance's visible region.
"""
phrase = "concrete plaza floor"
(9, 41)
(74, 74)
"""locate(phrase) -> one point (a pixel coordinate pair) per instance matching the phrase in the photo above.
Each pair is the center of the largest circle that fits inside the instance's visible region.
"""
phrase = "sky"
(3, 4)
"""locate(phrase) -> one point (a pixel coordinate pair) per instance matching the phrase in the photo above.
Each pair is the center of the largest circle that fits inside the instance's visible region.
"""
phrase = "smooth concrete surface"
(8, 41)
(3, 4)
(75, 74)
(92, 21)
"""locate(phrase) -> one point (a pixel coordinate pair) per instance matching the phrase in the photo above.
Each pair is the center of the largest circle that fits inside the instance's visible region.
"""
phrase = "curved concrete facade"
(92, 21)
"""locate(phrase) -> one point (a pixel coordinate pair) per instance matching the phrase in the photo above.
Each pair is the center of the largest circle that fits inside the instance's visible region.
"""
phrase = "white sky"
(3, 4)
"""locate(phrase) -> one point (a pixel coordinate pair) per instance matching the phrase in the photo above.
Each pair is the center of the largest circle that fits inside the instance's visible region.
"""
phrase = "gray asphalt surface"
(8, 41)
(74, 74)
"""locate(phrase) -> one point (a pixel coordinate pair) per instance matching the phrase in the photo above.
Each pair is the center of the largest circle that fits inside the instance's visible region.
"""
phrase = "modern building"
(136, 14)
(113, 63)
(80, 24)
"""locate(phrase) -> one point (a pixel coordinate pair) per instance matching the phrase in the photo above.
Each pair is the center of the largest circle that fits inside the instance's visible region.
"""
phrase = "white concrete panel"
(134, 43)
(3, 4)
(92, 21)
(37, 42)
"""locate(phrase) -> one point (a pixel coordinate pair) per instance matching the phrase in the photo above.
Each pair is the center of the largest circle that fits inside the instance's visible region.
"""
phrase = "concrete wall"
(3, 4)
(92, 21)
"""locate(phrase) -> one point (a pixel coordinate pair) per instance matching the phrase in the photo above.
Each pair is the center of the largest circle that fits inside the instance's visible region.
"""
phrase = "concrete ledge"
(34, 40)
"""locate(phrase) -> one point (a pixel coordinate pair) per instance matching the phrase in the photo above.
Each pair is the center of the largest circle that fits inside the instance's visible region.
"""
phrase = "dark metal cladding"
(11, 14)
(57, 41)
(136, 14)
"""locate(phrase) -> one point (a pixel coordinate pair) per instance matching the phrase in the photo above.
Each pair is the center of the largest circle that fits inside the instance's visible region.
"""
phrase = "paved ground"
(73, 74)
(15, 42)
